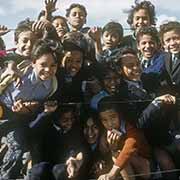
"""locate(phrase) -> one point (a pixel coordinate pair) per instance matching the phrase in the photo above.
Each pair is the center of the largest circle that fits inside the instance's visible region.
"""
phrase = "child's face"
(147, 46)
(60, 26)
(110, 39)
(131, 69)
(111, 82)
(44, 67)
(171, 42)
(140, 19)
(91, 131)
(25, 43)
(66, 121)
(77, 18)
(110, 119)
(73, 62)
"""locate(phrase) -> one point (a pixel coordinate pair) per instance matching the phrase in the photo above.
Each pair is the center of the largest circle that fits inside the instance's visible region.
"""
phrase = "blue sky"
(99, 11)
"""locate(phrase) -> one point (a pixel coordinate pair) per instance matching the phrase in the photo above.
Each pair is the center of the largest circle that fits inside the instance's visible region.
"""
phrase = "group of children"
(90, 103)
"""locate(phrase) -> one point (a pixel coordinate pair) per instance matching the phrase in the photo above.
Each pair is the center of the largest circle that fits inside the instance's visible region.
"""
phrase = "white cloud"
(19, 5)
(164, 18)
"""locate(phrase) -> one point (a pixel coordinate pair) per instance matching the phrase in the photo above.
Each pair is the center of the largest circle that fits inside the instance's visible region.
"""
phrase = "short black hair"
(108, 103)
(23, 26)
(126, 50)
(114, 27)
(169, 26)
(74, 5)
(45, 46)
(148, 6)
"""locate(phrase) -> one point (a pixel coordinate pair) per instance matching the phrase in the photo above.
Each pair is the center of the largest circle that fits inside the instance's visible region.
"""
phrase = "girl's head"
(141, 15)
(66, 116)
(148, 42)
(170, 36)
(128, 65)
(74, 45)
(109, 113)
(24, 38)
(110, 80)
(45, 56)
(73, 61)
(112, 34)
(61, 26)
(76, 15)
(91, 127)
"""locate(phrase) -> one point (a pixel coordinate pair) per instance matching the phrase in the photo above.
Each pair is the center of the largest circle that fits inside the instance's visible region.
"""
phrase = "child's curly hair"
(25, 25)
(152, 31)
(148, 6)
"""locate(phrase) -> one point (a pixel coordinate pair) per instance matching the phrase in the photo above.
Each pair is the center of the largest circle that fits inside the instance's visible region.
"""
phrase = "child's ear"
(33, 63)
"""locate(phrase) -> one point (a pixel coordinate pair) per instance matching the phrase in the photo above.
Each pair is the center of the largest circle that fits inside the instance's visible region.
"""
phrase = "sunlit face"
(131, 69)
(110, 119)
(171, 42)
(66, 121)
(140, 19)
(111, 82)
(60, 26)
(91, 131)
(25, 43)
(110, 39)
(147, 46)
(77, 18)
(73, 62)
(45, 67)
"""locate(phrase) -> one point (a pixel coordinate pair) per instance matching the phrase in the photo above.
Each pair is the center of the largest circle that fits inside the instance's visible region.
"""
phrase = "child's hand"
(73, 165)
(113, 137)
(111, 175)
(40, 26)
(50, 106)
(95, 34)
(50, 6)
(3, 30)
(166, 99)
(19, 107)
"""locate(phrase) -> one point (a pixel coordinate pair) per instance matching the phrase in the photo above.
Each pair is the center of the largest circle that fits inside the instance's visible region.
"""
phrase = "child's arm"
(95, 34)
(130, 146)
(50, 7)
(154, 109)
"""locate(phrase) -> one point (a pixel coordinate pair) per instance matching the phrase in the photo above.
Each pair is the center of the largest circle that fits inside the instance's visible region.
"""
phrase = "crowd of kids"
(84, 103)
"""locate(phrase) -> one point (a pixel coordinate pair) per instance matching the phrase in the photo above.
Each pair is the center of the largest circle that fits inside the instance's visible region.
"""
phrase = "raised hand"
(50, 6)
(95, 33)
(3, 30)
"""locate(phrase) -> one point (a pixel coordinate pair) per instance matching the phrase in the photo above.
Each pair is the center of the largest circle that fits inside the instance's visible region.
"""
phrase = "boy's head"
(24, 38)
(142, 14)
(76, 15)
(61, 26)
(112, 34)
(66, 117)
(148, 42)
(170, 36)
(109, 113)
(91, 127)
(45, 56)
(128, 65)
